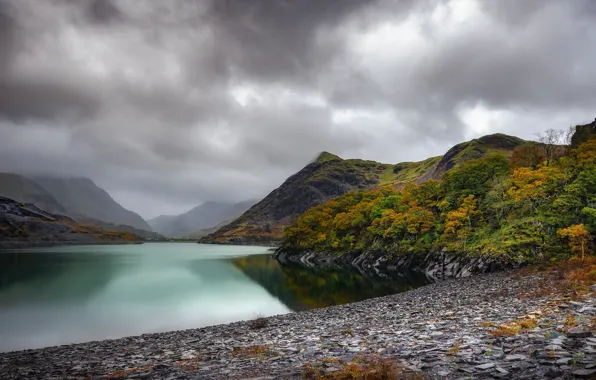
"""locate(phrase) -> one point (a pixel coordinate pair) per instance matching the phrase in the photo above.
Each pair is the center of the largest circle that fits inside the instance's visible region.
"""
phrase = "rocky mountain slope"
(329, 176)
(80, 196)
(205, 216)
(24, 224)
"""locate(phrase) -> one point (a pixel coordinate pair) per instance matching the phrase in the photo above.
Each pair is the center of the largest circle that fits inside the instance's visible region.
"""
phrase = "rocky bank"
(444, 330)
(436, 265)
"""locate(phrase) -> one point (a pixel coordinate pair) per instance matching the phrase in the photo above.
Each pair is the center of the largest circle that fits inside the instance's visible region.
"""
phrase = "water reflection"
(52, 296)
(301, 288)
(75, 294)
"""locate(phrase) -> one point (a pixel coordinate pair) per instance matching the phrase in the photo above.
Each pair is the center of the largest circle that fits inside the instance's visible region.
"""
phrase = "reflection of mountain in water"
(301, 288)
(55, 277)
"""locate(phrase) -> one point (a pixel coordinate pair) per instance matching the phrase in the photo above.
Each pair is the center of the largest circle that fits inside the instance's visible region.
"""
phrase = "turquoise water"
(60, 295)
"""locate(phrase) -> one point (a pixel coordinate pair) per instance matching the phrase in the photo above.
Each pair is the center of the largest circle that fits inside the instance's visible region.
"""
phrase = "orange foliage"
(533, 185)
(459, 221)
(578, 236)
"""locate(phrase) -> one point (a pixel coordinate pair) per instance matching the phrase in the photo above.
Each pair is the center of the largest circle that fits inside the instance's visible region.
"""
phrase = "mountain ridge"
(329, 176)
(80, 195)
(205, 216)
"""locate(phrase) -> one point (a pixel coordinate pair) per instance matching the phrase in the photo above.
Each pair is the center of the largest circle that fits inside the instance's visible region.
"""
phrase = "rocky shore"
(497, 325)
(436, 265)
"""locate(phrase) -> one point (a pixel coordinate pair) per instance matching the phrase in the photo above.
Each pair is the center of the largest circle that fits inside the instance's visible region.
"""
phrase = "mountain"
(25, 224)
(329, 176)
(482, 215)
(24, 190)
(80, 196)
(205, 216)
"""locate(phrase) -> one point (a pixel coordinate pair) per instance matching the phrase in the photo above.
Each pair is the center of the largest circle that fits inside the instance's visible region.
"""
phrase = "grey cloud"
(43, 98)
(186, 101)
(103, 12)
(7, 35)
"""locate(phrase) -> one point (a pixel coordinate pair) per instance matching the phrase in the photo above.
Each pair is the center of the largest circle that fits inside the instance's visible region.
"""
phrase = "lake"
(60, 295)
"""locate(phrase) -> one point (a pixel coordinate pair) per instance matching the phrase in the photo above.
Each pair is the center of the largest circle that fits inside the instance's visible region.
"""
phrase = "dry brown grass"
(117, 374)
(570, 321)
(366, 368)
(569, 278)
(513, 328)
(250, 351)
(506, 329)
(455, 349)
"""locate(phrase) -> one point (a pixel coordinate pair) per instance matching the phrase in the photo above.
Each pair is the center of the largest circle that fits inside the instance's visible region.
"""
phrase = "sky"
(168, 104)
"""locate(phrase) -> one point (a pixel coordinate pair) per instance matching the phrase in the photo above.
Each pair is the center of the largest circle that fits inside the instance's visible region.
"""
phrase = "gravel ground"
(444, 330)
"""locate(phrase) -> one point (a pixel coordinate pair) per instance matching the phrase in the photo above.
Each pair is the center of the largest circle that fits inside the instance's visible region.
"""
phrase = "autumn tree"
(527, 156)
(579, 238)
(459, 222)
(534, 186)
(550, 139)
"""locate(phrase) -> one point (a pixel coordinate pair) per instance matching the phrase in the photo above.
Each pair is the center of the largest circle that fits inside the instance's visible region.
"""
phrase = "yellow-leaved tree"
(459, 222)
(578, 236)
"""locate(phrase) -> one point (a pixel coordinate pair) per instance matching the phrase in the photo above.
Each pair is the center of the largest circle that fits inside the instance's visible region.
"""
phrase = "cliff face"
(329, 176)
(583, 133)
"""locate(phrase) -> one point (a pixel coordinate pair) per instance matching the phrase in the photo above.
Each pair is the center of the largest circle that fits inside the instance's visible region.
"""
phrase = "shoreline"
(435, 265)
(8, 245)
(444, 330)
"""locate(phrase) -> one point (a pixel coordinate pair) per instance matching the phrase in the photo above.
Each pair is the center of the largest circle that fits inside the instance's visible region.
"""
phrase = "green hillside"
(330, 176)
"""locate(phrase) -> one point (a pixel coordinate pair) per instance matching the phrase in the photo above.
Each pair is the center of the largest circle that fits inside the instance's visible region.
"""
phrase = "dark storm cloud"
(43, 98)
(103, 12)
(170, 103)
(7, 35)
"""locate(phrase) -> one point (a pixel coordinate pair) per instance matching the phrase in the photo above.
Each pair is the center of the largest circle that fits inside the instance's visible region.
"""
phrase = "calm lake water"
(59, 295)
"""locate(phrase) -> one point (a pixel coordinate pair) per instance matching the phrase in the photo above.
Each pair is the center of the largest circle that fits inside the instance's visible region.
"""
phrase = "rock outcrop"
(26, 225)
(583, 133)
(436, 266)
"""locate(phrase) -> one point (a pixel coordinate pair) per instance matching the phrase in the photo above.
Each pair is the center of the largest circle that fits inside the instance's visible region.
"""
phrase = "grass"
(455, 349)
(567, 278)
(506, 329)
(250, 351)
(512, 328)
(364, 368)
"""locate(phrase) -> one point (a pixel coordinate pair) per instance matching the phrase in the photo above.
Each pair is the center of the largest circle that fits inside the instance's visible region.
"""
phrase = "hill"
(205, 216)
(24, 224)
(486, 212)
(329, 176)
(80, 196)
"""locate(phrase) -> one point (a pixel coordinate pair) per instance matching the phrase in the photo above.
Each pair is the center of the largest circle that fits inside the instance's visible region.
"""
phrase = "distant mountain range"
(85, 203)
(203, 217)
(329, 176)
(80, 196)
(77, 198)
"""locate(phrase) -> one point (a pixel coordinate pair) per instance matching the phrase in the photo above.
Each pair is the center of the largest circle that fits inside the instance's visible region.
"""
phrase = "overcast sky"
(167, 104)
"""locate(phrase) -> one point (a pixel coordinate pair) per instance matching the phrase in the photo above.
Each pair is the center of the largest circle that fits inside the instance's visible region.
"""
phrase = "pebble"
(578, 332)
(442, 330)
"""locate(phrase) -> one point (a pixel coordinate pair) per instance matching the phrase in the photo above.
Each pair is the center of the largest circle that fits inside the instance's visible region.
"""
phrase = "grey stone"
(578, 332)
(584, 373)
(511, 358)
(553, 373)
(485, 366)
